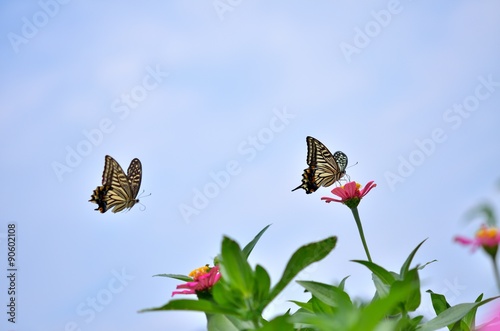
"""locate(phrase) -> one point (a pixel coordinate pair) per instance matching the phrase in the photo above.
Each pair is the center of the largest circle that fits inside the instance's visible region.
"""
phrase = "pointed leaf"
(302, 258)
(470, 319)
(331, 295)
(421, 267)
(304, 305)
(193, 305)
(342, 283)
(234, 267)
(385, 276)
(175, 276)
(262, 285)
(249, 247)
(406, 266)
(451, 315)
(439, 302)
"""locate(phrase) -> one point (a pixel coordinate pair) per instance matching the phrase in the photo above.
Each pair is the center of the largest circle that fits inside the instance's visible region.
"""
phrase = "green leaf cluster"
(239, 298)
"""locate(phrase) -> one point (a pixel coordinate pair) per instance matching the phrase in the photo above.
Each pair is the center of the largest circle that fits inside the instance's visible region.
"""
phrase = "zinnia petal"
(464, 240)
(183, 292)
(328, 199)
(350, 189)
(364, 191)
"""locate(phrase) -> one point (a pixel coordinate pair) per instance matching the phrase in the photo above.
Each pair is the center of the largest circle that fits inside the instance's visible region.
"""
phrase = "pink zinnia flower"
(494, 323)
(350, 194)
(486, 237)
(203, 279)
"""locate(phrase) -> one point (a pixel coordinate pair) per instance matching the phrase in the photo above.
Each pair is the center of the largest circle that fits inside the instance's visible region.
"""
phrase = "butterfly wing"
(312, 149)
(134, 176)
(328, 168)
(324, 168)
(98, 198)
(109, 166)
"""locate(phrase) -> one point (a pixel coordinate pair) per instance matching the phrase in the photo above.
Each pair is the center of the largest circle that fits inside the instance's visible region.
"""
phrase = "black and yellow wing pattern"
(324, 168)
(119, 190)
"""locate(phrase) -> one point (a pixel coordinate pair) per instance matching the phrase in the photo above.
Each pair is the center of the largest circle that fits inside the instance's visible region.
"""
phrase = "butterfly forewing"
(324, 168)
(311, 150)
(107, 174)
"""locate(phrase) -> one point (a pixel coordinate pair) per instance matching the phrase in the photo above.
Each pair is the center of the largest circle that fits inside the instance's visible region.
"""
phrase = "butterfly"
(324, 169)
(118, 190)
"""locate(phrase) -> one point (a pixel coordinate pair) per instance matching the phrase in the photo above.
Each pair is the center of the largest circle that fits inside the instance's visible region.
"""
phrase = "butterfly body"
(119, 190)
(324, 168)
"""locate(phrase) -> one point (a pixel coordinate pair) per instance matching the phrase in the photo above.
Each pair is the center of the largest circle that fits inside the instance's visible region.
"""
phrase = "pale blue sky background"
(221, 79)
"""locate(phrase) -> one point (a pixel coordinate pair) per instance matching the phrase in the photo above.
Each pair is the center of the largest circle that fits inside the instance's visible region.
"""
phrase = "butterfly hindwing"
(134, 176)
(324, 168)
(98, 197)
(118, 190)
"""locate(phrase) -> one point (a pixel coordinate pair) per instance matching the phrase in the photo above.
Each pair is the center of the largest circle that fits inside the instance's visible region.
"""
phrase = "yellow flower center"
(487, 233)
(358, 186)
(199, 272)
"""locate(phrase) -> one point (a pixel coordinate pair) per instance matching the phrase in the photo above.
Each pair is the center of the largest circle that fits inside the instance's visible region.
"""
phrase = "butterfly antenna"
(143, 196)
(352, 165)
(140, 197)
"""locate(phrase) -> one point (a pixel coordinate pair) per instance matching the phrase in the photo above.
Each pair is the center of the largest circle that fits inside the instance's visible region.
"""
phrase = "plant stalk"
(362, 235)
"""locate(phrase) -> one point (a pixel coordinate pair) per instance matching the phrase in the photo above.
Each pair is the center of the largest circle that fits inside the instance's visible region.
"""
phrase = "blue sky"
(198, 90)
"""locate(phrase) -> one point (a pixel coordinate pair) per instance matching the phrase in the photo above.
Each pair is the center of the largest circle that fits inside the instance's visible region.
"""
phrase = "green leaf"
(421, 267)
(485, 210)
(342, 283)
(219, 322)
(234, 267)
(385, 276)
(226, 296)
(320, 307)
(249, 247)
(371, 317)
(301, 259)
(377, 311)
(262, 286)
(452, 315)
(331, 295)
(279, 323)
(304, 305)
(382, 289)
(406, 266)
(439, 302)
(470, 318)
(193, 305)
(410, 283)
(179, 277)
(407, 323)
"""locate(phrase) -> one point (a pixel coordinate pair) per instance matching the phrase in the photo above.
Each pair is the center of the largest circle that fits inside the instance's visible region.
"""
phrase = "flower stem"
(495, 270)
(361, 234)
